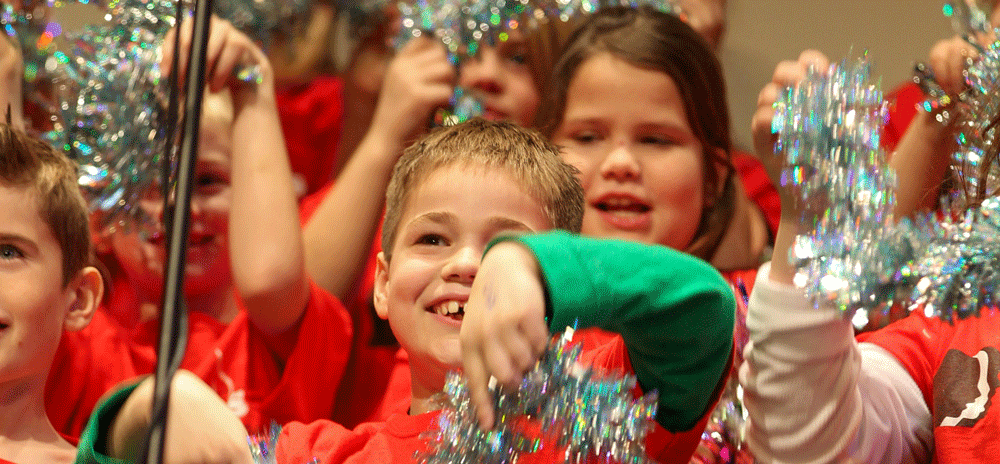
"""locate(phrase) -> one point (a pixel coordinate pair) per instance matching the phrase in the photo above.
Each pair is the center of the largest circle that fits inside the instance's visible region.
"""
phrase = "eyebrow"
(20, 239)
(435, 217)
(503, 223)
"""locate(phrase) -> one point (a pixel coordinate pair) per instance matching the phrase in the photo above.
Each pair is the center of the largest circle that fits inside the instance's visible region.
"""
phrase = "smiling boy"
(461, 209)
(47, 285)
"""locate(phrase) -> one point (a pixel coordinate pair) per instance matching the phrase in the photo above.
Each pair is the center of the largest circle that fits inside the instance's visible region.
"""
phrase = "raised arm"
(265, 239)
(339, 235)
(811, 393)
(923, 154)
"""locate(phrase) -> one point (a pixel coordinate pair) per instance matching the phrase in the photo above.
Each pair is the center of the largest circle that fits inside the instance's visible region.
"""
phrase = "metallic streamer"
(828, 129)
(561, 408)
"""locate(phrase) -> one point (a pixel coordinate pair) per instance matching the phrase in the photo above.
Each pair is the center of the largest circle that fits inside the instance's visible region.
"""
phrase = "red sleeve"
(903, 102)
(311, 119)
(315, 364)
(916, 341)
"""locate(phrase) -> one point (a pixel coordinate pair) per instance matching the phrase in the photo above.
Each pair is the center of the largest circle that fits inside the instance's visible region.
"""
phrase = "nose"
(462, 265)
(482, 72)
(621, 164)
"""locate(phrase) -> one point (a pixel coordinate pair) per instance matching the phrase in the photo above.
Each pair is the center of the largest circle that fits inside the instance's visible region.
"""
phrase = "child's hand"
(786, 74)
(503, 330)
(200, 427)
(228, 52)
(419, 80)
(948, 60)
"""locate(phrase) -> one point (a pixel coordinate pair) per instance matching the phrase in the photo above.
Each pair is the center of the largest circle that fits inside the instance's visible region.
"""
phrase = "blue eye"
(10, 252)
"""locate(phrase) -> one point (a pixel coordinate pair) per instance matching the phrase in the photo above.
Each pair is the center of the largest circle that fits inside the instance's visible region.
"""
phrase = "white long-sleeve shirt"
(815, 395)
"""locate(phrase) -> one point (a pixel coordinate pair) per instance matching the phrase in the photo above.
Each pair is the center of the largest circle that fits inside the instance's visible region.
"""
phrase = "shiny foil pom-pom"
(944, 263)
(110, 106)
(828, 130)
(562, 412)
(973, 109)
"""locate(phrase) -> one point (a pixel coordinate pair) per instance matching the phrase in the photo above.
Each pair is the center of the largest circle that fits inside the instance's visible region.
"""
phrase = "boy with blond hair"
(47, 285)
(484, 187)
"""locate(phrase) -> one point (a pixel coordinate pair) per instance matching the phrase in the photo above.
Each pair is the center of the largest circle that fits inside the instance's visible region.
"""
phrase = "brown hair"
(650, 39)
(27, 162)
(523, 153)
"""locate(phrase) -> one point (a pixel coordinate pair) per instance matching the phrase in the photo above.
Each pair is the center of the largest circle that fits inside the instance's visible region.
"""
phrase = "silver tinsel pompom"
(944, 263)
(562, 410)
(828, 129)
(111, 105)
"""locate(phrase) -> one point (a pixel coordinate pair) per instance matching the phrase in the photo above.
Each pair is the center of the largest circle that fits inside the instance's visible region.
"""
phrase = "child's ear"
(86, 288)
(381, 281)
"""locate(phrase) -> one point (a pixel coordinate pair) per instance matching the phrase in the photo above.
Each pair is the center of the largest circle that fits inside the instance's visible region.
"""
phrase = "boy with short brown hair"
(461, 202)
(47, 285)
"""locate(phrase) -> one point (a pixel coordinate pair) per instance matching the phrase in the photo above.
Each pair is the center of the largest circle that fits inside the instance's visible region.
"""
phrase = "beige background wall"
(761, 33)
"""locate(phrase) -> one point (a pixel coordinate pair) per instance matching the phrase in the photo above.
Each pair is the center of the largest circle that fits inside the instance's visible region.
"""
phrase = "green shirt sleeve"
(674, 312)
(93, 441)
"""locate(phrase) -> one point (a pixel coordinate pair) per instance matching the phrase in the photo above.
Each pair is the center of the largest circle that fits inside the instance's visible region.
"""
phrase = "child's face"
(443, 230)
(501, 79)
(143, 255)
(33, 300)
(640, 164)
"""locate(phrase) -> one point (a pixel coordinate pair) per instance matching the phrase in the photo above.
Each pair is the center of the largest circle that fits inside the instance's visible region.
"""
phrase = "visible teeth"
(448, 307)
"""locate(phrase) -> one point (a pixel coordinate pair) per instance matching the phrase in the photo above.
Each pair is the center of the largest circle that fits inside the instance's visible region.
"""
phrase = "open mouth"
(622, 205)
(451, 309)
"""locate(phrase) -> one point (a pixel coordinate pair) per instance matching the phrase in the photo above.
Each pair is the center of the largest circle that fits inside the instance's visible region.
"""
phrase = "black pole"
(173, 318)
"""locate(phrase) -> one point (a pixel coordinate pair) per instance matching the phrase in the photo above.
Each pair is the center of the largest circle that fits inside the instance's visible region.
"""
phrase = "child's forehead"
(478, 188)
(20, 211)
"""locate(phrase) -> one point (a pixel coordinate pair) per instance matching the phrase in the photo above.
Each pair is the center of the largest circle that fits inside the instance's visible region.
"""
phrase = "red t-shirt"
(373, 367)
(758, 187)
(956, 367)
(264, 379)
(399, 437)
(311, 118)
(4, 461)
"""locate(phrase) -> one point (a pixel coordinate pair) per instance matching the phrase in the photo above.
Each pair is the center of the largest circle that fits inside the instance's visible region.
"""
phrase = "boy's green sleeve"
(93, 441)
(674, 311)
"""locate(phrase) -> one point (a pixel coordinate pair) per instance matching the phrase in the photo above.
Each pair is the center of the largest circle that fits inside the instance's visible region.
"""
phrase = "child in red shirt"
(47, 285)
(430, 285)
(267, 340)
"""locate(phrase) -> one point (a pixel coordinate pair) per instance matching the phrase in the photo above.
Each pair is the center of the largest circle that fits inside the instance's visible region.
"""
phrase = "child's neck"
(426, 386)
(26, 435)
